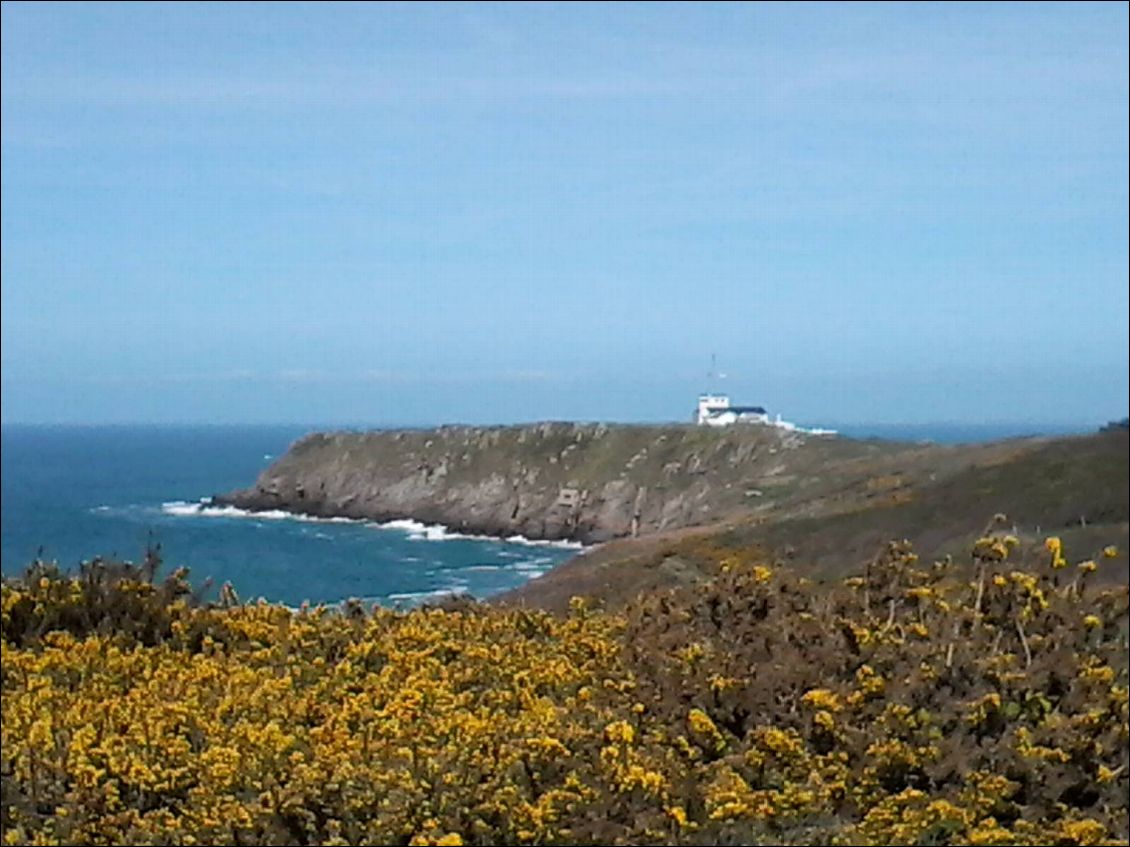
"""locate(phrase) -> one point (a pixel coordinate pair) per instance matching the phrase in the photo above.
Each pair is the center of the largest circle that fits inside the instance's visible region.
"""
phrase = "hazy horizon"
(486, 213)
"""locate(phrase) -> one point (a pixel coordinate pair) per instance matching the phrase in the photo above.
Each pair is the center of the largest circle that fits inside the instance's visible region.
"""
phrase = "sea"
(69, 494)
(72, 493)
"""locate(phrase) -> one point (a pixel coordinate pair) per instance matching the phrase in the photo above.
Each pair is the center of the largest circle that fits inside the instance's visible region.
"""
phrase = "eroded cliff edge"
(587, 482)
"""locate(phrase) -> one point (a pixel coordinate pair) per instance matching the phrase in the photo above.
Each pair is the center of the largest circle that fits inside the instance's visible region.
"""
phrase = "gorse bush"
(107, 597)
(912, 704)
(904, 706)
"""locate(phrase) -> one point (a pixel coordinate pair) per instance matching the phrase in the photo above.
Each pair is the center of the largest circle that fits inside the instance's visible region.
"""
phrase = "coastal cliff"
(584, 482)
(1074, 488)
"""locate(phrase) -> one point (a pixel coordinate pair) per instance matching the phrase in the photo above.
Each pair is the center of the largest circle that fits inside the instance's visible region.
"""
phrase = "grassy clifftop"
(595, 482)
(939, 498)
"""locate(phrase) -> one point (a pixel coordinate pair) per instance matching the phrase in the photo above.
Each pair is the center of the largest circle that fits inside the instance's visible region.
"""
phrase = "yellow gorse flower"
(760, 703)
(822, 698)
(1055, 546)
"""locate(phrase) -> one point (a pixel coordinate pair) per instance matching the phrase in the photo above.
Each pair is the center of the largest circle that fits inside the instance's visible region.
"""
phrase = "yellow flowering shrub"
(934, 704)
(909, 704)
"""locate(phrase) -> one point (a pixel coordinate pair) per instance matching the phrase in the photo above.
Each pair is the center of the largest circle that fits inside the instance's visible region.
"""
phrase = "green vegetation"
(982, 702)
(508, 480)
(1075, 488)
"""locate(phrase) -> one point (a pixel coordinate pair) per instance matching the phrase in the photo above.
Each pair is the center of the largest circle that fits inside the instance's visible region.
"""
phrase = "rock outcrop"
(587, 482)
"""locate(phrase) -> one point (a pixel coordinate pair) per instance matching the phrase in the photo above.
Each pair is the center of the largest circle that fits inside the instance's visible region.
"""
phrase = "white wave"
(545, 542)
(180, 508)
(425, 532)
(404, 524)
(475, 568)
(416, 530)
(129, 511)
(435, 594)
(205, 509)
(792, 427)
(532, 564)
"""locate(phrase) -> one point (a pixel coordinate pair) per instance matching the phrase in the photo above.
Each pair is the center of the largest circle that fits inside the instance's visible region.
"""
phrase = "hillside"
(939, 498)
(595, 482)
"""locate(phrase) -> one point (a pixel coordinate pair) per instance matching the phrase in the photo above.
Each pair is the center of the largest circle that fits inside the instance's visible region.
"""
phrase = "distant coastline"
(592, 483)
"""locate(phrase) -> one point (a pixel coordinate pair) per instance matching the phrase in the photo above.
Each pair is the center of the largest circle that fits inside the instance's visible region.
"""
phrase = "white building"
(716, 410)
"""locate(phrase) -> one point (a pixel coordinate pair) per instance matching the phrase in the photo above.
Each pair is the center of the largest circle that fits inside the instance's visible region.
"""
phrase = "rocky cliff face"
(588, 482)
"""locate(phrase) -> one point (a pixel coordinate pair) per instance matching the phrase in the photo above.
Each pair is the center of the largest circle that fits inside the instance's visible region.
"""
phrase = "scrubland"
(981, 700)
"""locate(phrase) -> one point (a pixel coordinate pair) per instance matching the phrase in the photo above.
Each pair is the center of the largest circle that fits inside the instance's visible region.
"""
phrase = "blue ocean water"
(957, 433)
(78, 492)
(81, 492)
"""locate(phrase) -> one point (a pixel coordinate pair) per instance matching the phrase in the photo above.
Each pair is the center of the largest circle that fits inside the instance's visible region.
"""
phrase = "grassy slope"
(506, 480)
(1073, 487)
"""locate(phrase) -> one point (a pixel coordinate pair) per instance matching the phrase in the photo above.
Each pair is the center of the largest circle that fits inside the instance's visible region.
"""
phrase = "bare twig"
(980, 593)
(1024, 643)
(890, 615)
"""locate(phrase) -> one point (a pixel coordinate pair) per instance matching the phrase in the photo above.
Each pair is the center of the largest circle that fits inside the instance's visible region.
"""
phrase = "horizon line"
(1001, 422)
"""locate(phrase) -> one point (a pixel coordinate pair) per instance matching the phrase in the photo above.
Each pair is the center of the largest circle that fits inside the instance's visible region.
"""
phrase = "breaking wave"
(205, 509)
(415, 530)
(418, 531)
(792, 427)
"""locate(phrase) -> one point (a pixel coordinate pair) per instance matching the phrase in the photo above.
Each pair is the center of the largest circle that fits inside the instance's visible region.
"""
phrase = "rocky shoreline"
(554, 481)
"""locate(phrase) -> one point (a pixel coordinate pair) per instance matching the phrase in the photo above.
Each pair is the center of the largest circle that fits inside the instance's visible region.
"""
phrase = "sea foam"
(416, 530)
(788, 426)
(205, 509)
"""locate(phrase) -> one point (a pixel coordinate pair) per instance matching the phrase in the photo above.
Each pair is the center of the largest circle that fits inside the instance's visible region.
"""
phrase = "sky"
(403, 213)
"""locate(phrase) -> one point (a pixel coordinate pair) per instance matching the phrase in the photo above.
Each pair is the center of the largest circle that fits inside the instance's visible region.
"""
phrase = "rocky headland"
(583, 482)
(673, 498)
(592, 482)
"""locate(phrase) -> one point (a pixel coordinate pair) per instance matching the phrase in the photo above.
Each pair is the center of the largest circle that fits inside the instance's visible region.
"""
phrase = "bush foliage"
(912, 704)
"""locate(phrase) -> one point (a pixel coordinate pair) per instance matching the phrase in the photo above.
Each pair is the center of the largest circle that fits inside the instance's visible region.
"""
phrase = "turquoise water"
(78, 492)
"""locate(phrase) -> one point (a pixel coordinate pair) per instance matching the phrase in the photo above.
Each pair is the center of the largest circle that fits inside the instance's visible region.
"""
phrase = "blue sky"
(421, 214)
